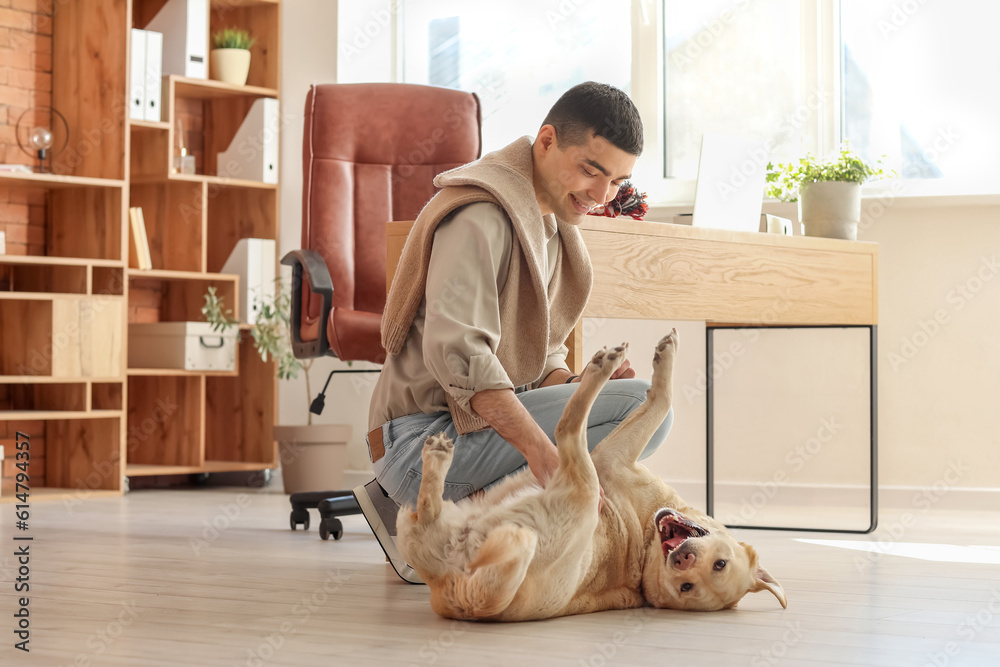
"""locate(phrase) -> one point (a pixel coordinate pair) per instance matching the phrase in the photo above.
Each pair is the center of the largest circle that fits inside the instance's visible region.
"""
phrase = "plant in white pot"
(230, 56)
(312, 456)
(828, 191)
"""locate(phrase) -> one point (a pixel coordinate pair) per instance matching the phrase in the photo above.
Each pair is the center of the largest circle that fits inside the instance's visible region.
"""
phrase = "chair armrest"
(310, 264)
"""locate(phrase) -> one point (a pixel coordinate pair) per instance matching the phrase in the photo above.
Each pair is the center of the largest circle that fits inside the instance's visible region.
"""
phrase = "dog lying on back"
(520, 552)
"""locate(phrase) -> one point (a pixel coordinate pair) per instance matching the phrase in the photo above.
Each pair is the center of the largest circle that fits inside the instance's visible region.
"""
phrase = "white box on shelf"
(189, 346)
(153, 74)
(1, 459)
(253, 260)
(253, 153)
(137, 69)
(3, 243)
(184, 24)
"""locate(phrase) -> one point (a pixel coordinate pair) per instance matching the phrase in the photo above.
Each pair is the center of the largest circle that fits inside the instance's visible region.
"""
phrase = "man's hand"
(624, 371)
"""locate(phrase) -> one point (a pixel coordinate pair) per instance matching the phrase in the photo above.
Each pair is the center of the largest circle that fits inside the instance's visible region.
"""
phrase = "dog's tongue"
(675, 541)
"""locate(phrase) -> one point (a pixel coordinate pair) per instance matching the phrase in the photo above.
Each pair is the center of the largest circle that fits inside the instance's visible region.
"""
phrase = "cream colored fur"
(521, 552)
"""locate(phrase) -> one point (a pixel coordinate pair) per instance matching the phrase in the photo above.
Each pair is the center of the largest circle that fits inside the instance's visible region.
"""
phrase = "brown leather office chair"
(370, 152)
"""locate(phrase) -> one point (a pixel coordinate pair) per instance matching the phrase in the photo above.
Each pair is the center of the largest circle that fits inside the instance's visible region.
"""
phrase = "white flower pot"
(312, 457)
(230, 65)
(831, 209)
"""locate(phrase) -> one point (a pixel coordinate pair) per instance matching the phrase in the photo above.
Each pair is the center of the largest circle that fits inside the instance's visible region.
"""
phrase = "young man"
(493, 278)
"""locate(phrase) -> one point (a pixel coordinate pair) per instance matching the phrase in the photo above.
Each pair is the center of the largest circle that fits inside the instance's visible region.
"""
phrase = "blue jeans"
(484, 458)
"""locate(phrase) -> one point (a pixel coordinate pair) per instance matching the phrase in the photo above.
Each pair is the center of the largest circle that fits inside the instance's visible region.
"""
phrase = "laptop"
(730, 189)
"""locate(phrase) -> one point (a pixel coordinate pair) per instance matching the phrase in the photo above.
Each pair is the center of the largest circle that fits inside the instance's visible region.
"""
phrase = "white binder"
(137, 69)
(153, 74)
(184, 24)
(253, 260)
(253, 152)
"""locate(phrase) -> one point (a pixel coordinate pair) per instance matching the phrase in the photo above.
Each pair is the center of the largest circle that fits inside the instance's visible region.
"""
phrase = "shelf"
(45, 260)
(48, 379)
(55, 296)
(56, 181)
(49, 493)
(231, 4)
(148, 469)
(40, 415)
(176, 372)
(221, 181)
(209, 89)
(164, 274)
(149, 125)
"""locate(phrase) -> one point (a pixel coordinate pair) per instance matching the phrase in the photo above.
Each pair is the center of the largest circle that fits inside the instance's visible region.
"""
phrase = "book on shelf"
(138, 252)
(16, 168)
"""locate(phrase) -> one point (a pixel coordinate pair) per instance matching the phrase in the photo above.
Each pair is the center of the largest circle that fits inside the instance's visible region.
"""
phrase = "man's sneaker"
(380, 511)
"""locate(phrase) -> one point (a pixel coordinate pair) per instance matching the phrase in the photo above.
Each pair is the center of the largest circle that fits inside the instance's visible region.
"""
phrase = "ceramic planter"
(230, 65)
(312, 457)
(831, 209)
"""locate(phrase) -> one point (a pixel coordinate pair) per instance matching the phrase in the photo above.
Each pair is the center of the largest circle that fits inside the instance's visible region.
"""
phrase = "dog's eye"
(686, 587)
(720, 565)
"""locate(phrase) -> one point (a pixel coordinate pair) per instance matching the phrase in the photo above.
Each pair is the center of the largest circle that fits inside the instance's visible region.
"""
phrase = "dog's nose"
(685, 561)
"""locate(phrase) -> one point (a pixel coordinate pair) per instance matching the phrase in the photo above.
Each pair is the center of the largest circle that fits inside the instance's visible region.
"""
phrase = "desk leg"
(873, 414)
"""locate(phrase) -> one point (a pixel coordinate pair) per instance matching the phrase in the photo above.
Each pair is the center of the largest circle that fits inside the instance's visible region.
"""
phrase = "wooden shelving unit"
(64, 378)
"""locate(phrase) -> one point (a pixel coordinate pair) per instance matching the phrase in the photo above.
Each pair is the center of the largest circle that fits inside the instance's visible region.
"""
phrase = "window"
(920, 86)
(731, 67)
(518, 56)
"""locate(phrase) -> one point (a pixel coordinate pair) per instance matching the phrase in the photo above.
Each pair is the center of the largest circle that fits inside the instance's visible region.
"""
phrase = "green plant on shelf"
(784, 180)
(270, 332)
(233, 38)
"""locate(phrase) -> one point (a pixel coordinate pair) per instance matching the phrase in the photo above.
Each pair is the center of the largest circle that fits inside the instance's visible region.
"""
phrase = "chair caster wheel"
(298, 516)
(331, 526)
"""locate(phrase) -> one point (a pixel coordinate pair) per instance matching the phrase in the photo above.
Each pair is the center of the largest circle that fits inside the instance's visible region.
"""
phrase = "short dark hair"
(605, 110)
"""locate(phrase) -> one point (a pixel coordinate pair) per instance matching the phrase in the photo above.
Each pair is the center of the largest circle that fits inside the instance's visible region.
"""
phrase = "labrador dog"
(522, 552)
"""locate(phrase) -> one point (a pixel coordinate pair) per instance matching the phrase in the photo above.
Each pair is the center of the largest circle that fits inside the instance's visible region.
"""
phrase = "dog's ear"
(762, 579)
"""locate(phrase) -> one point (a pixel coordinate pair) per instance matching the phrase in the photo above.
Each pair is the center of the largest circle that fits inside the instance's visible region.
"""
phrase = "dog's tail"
(492, 580)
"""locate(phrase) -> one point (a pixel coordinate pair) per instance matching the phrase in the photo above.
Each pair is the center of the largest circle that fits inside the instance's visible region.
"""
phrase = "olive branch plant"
(271, 336)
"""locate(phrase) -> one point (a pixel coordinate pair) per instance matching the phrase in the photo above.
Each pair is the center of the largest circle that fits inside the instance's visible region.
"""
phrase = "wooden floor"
(215, 577)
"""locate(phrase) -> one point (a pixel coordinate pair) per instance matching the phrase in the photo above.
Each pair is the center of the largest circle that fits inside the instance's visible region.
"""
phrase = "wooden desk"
(651, 270)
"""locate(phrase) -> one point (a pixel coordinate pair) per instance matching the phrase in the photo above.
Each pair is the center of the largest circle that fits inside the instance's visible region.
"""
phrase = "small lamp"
(38, 140)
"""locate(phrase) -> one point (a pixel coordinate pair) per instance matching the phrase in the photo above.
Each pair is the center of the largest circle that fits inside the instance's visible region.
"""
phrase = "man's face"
(572, 180)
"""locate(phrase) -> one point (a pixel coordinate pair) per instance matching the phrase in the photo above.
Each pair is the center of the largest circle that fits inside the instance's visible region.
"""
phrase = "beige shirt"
(453, 340)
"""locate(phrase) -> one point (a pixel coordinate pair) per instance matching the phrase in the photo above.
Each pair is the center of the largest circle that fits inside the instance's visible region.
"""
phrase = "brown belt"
(376, 448)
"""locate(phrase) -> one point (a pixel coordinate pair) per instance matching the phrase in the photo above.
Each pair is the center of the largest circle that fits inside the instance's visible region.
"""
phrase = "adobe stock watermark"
(99, 642)
(796, 458)
(957, 298)
(705, 38)
(967, 631)
(364, 34)
(771, 655)
(301, 614)
(432, 649)
(726, 359)
(899, 15)
(606, 652)
(924, 501)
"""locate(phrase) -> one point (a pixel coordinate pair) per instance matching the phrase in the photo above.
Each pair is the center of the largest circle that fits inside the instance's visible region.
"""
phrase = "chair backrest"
(370, 153)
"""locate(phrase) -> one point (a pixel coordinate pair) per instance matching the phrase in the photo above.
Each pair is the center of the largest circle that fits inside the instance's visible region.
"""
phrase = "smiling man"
(492, 280)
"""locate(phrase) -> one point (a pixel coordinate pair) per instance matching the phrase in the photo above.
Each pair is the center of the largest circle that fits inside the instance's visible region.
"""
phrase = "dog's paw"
(439, 443)
(606, 361)
(666, 348)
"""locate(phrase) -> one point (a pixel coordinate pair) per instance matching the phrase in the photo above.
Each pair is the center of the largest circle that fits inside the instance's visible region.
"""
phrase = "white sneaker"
(380, 512)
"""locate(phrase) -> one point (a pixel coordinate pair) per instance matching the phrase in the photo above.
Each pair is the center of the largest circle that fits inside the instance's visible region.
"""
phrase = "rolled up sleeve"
(555, 361)
(468, 265)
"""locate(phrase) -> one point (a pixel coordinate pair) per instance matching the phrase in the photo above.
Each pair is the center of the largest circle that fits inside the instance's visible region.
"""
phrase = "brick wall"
(25, 82)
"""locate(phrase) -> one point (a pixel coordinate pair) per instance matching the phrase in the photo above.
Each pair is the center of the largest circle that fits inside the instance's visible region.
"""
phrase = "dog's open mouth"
(674, 529)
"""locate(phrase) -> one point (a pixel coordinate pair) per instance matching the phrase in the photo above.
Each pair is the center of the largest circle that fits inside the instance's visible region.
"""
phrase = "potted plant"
(312, 456)
(230, 56)
(828, 191)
